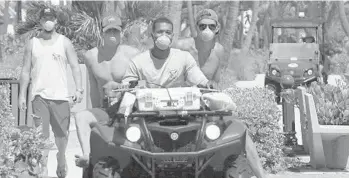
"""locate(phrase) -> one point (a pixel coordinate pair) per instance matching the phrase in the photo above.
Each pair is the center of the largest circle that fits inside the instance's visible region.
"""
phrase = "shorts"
(100, 114)
(54, 112)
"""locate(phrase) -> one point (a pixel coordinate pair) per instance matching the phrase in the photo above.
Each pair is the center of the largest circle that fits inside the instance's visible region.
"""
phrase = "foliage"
(20, 147)
(78, 26)
(339, 63)
(13, 49)
(257, 108)
(331, 102)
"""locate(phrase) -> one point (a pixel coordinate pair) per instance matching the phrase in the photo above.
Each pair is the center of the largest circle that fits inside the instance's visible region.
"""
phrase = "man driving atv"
(168, 67)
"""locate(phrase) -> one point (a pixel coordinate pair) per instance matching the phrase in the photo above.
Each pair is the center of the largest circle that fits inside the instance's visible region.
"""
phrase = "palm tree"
(230, 26)
(343, 17)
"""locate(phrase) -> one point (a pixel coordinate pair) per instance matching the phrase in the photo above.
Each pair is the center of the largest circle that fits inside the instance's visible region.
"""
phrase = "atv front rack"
(162, 155)
(180, 113)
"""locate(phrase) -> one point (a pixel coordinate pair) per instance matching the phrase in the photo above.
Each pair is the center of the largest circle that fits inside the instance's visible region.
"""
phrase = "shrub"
(331, 102)
(20, 147)
(257, 108)
(339, 63)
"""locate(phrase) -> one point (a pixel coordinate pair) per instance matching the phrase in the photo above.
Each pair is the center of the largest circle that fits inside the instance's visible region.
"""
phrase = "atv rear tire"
(240, 169)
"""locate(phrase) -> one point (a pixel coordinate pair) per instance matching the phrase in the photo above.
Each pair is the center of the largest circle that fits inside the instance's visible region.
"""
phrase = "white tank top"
(49, 70)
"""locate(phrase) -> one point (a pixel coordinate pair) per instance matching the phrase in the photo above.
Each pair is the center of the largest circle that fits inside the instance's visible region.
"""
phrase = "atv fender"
(105, 142)
(235, 132)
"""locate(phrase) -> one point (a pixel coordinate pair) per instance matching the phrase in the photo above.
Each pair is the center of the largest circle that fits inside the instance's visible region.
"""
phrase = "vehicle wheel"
(239, 169)
(106, 168)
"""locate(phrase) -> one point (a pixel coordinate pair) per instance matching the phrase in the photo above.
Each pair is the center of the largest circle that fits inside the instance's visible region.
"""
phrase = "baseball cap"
(111, 22)
(207, 14)
(47, 12)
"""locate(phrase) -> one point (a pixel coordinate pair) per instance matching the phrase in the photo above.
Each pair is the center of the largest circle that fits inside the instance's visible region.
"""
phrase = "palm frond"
(79, 25)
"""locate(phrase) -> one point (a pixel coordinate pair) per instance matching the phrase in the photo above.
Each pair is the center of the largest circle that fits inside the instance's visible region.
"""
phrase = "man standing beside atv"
(204, 48)
(168, 67)
(106, 63)
(45, 63)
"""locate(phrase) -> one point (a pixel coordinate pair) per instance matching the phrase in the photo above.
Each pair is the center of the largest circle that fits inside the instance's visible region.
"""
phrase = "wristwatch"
(80, 90)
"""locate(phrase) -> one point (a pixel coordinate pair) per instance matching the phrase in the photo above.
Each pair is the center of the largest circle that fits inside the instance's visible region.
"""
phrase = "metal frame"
(148, 152)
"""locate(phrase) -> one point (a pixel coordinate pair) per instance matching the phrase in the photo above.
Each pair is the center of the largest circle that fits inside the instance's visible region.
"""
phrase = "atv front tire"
(106, 168)
(240, 169)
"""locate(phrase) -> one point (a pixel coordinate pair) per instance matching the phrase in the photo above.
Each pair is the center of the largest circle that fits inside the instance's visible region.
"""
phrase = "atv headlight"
(133, 134)
(212, 132)
(310, 72)
(274, 72)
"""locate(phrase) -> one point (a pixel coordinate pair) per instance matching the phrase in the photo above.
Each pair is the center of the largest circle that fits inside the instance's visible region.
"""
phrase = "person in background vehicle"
(45, 63)
(105, 63)
(204, 47)
(168, 67)
(309, 39)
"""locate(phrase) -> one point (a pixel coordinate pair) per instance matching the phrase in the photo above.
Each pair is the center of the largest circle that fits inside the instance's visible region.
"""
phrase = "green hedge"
(258, 109)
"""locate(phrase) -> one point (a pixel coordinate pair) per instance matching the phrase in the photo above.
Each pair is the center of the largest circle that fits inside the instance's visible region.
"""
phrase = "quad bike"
(169, 132)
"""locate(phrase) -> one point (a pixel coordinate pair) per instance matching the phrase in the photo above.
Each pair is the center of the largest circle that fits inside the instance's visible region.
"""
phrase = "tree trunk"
(272, 12)
(6, 17)
(329, 19)
(230, 26)
(19, 11)
(343, 17)
(242, 25)
(191, 19)
(256, 39)
(3, 30)
(174, 14)
(251, 31)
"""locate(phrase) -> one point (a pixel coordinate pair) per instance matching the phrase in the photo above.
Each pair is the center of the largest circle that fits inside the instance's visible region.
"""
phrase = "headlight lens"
(274, 72)
(133, 134)
(310, 72)
(212, 132)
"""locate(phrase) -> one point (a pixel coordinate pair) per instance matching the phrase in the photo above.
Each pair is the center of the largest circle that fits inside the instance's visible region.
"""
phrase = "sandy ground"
(307, 172)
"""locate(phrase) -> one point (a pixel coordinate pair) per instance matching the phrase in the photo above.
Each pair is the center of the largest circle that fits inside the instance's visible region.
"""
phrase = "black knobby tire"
(107, 167)
(239, 168)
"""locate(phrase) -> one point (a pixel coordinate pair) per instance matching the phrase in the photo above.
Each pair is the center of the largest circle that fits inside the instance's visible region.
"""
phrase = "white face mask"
(163, 42)
(207, 35)
(49, 25)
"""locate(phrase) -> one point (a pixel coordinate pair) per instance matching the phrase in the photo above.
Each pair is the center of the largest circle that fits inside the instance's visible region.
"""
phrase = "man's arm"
(193, 73)
(131, 74)
(74, 64)
(26, 69)
(212, 64)
(95, 94)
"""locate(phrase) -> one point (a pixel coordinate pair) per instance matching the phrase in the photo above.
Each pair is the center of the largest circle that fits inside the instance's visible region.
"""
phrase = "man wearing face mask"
(163, 65)
(45, 65)
(106, 63)
(168, 67)
(204, 48)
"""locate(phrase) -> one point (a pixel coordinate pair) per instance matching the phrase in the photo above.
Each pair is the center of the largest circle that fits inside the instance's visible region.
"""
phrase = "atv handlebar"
(181, 113)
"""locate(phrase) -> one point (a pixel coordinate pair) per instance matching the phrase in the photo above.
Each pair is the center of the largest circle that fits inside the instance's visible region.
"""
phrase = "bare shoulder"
(90, 55)
(184, 44)
(66, 40)
(219, 48)
(130, 51)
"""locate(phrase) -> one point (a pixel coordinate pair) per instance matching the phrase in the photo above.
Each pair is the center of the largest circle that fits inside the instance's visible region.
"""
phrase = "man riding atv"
(165, 67)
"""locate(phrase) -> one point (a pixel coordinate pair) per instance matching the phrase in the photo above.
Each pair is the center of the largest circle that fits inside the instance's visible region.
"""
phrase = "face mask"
(163, 42)
(207, 35)
(49, 25)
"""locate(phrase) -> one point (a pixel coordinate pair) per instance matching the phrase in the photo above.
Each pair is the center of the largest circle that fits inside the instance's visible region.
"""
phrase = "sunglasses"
(210, 26)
